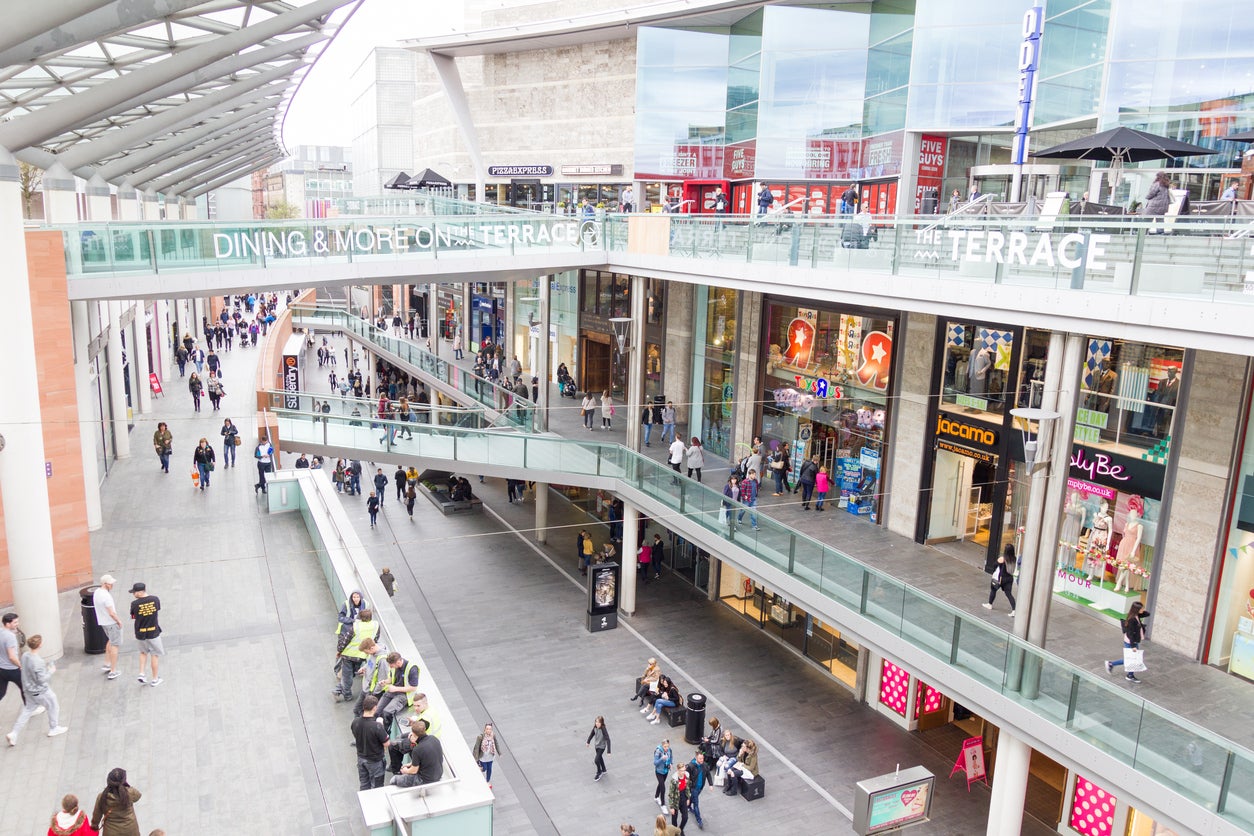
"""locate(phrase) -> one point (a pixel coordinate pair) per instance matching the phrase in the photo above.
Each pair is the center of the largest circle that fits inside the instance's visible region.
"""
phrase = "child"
(821, 486)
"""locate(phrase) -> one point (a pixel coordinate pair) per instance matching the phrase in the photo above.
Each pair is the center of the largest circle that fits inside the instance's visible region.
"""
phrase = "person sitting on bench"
(744, 766)
(647, 683)
(667, 697)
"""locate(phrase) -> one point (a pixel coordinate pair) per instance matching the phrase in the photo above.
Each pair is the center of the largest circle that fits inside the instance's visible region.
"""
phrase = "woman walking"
(163, 443)
(1003, 578)
(485, 752)
(695, 456)
(215, 391)
(203, 458)
(662, 828)
(1133, 631)
(589, 407)
(599, 740)
(230, 440)
(607, 410)
(114, 813)
(196, 388)
(662, 760)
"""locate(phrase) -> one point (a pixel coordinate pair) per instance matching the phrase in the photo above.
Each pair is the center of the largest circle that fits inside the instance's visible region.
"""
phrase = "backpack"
(742, 469)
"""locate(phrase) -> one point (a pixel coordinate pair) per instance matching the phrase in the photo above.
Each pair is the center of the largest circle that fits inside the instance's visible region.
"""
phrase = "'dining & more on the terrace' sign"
(389, 239)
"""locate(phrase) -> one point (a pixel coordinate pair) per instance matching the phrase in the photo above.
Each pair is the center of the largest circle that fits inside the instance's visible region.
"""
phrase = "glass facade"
(1231, 643)
(714, 366)
(825, 392)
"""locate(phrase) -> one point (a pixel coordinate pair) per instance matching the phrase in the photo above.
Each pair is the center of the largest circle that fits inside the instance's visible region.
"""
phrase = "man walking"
(696, 783)
(371, 740)
(144, 611)
(749, 498)
(264, 454)
(10, 661)
(668, 422)
(36, 678)
(380, 485)
(107, 618)
(676, 458)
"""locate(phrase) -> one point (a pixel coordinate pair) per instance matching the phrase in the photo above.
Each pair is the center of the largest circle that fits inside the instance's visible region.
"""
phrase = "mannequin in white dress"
(1129, 549)
(1069, 536)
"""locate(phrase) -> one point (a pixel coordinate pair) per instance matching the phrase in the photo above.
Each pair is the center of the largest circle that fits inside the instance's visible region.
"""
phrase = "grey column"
(139, 357)
(543, 361)
(117, 384)
(630, 545)
(542, 512)
(635, 367)
(23, 484)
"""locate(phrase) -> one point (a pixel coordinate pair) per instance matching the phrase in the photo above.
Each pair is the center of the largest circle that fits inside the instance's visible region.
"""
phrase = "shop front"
(1111, 533)
(968, 466)
(825, 392)
(487, 313)
(602, 367)
(1230, 643)
(818, 641)
(716, 314)
(563, 322)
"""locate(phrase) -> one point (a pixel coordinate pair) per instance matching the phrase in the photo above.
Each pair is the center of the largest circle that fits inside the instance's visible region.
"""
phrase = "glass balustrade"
(514, 409)
(1194, 762)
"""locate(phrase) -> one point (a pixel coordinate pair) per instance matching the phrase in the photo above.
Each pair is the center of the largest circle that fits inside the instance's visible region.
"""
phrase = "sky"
(319, 114)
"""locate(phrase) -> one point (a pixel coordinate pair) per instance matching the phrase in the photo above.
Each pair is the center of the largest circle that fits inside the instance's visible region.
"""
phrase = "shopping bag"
(1133, 659)
(195, 478)
(722, 516)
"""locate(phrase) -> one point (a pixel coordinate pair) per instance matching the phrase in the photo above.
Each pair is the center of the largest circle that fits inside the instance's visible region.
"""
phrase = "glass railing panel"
(1107, 718)
(928, 623)
(1043, 683)
(843, 579)
(807, 562)
(1190, 763)
(981, 651)
(1238, 800)
(885, 601)
(774, 543)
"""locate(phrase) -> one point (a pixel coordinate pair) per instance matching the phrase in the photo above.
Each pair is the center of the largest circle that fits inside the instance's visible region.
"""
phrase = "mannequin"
(981, 362)
(1167, 393)
(1069, 538)
(1129, 549)
(1099, 539)
(1106, 386)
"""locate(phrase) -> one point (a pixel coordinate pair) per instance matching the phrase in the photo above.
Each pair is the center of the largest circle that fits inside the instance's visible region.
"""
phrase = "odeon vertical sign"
(1029, 60)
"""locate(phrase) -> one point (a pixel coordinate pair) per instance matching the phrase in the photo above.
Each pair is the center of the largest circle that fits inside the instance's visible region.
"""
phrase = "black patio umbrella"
(428, 179)
(1240, 136)
(1123, 145)
(400, 181)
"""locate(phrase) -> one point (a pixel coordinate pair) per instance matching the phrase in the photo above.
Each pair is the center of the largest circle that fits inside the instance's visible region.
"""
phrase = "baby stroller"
(566, 386)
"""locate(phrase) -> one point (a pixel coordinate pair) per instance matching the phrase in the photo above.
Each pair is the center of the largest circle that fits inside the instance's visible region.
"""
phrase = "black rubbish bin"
(94, 639)
(695, 728)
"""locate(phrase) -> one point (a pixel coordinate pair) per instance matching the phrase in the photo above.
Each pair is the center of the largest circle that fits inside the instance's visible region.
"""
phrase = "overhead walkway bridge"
(1074, 715)
(1124, 278)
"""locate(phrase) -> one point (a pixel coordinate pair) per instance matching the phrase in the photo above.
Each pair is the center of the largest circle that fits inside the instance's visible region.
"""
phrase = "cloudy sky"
(320, 113)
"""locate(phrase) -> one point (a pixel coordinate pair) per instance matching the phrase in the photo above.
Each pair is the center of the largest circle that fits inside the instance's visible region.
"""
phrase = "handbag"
(238, 441)
(1134, 660)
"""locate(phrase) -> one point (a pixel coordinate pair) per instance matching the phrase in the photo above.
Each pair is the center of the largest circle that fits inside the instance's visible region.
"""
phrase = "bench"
(675, 715)
(751, 789)
(439, 496)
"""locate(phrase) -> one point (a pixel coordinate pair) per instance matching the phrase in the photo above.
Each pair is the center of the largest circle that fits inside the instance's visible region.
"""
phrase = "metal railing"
(1187, 759)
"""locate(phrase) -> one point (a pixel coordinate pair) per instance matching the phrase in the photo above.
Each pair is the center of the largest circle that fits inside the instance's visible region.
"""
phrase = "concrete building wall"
(915, 345)
(677, 353)
(1195, 530)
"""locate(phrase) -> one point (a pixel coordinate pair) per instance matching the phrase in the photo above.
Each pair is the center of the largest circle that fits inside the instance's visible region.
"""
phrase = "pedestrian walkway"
(1176, 682)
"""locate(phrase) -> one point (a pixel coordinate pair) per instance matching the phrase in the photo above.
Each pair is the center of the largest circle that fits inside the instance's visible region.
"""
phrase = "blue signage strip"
(1029, 59)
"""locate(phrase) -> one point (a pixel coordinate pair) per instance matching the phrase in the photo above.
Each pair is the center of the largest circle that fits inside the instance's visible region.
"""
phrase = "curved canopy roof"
(170, 96)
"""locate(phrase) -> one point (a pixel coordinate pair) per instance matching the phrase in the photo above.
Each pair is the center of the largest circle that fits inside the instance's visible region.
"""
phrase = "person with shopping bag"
(1133, 660)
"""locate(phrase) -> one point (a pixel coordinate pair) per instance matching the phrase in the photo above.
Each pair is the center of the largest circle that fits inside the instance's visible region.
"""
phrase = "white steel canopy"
(107, 88)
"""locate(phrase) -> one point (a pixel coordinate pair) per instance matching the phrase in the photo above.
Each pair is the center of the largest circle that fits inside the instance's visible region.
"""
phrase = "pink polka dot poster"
(1092, 809)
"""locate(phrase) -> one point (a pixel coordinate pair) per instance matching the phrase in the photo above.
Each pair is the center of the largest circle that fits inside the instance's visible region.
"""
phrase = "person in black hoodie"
(1133, 631)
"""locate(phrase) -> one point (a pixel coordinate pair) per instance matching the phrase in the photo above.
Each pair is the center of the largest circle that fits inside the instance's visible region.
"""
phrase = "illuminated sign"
(971, 433)
(1029, 57)
(291, 382)
(891, 802)
(820, 387)
(978, 455)
(520, 171)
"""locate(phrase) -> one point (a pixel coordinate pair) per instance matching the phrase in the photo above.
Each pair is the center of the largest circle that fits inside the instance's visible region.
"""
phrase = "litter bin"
(94, 639)
(696, 719)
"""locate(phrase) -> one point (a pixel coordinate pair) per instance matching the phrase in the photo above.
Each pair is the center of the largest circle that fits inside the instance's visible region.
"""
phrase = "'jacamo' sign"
(391, 239)
(1037, 249)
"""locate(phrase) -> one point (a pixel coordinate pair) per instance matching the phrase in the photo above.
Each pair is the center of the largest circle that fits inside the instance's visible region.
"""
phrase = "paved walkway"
(1205, 694)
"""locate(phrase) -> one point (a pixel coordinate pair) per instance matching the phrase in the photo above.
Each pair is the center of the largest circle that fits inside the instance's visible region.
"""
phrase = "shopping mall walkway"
(243, 734)
(1176, 682)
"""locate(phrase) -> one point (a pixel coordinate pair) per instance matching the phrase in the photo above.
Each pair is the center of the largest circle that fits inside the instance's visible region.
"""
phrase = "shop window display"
(826, 393)
(1232, 631)
(977, 368)
(1128, 395)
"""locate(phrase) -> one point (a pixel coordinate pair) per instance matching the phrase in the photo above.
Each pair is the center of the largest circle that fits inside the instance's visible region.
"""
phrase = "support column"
(635, 367)
(908, 185)
(627, 559)
(187, 208)
(139, 355)
(98, 205)
(87, 426)
(467, 299)
(1010, 784)
(433, 326)
(161, 316)
(60, 201)
(152, 210)
(128, 203)
(117, 383)
(23, 483)
(542, 512)
(543, 359)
